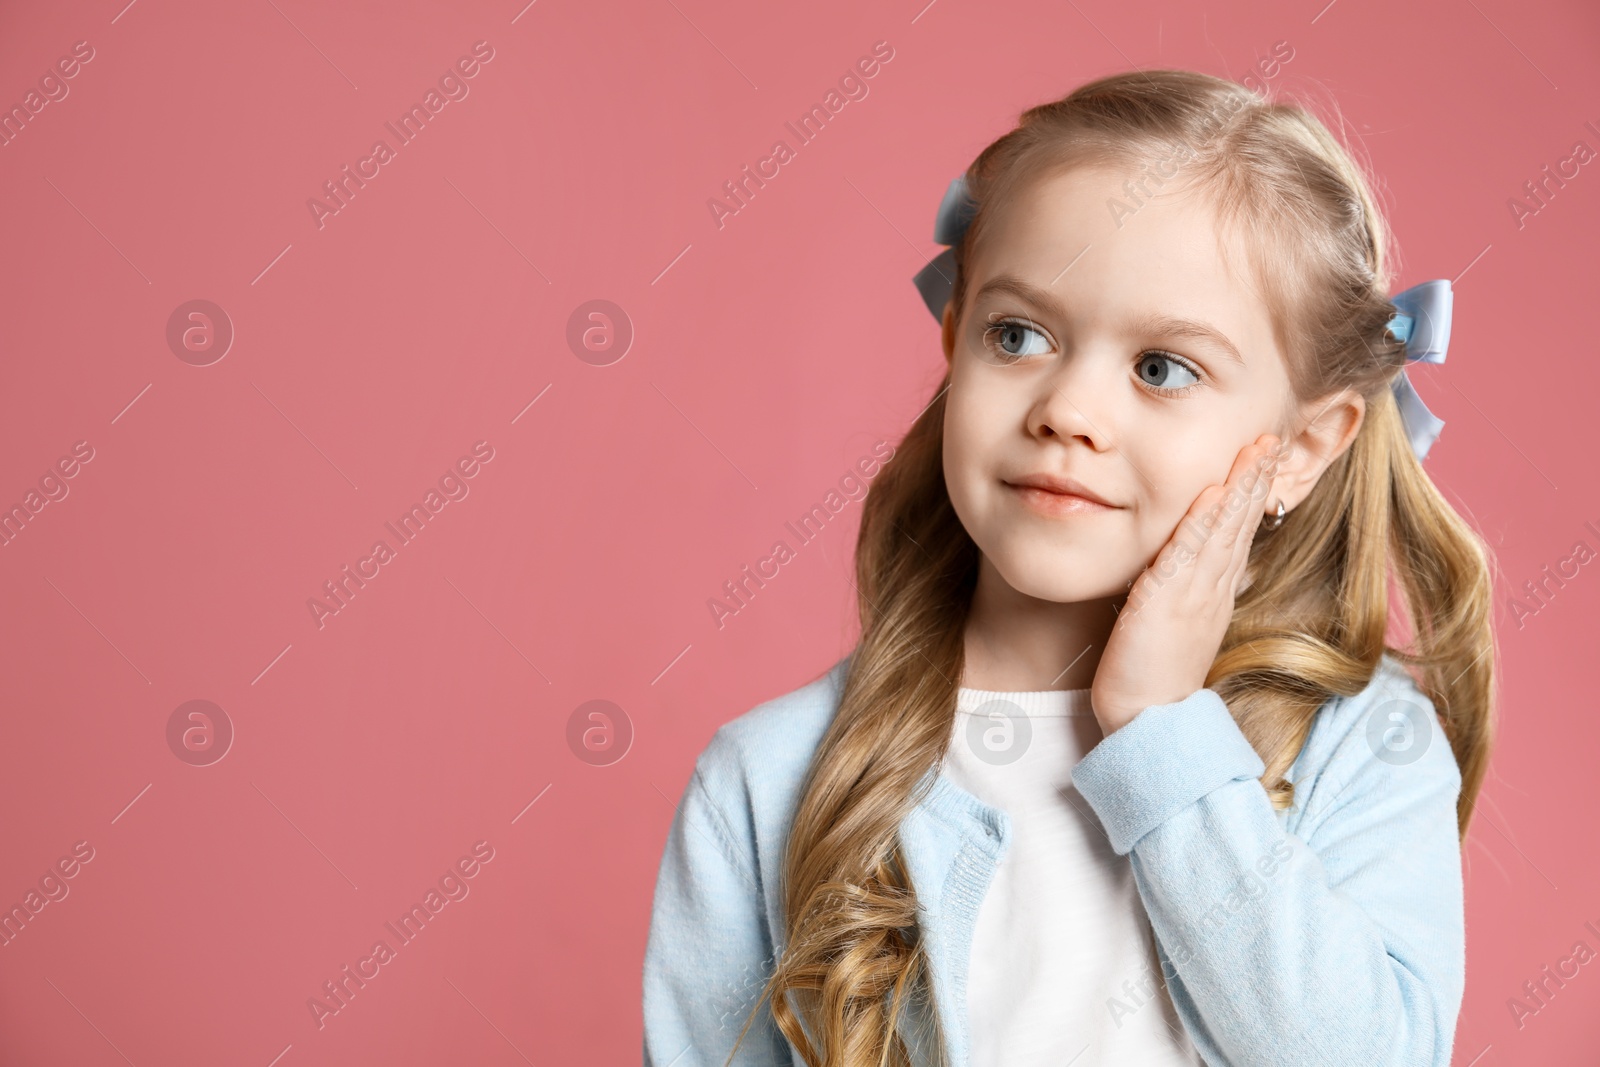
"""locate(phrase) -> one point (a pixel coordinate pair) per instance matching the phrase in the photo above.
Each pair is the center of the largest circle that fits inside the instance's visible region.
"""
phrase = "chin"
(1063, 577)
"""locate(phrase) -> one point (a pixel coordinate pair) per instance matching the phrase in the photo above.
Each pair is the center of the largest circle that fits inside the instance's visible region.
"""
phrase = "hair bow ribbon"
(1422, 321)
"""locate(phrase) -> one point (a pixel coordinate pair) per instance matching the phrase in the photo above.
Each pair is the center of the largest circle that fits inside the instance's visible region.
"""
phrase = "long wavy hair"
(1374, 548)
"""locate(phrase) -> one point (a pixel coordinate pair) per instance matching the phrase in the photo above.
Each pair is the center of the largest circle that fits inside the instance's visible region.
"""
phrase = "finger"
(1199, 527)
(1240, 499)
(1264, 469)
(1248, 495)
(1257, 482)
(1173, 564)
(1206, 541)
(1247, 537)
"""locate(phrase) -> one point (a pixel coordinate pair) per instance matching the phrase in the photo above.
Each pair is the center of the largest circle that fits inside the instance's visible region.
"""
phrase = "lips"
(1066, 489)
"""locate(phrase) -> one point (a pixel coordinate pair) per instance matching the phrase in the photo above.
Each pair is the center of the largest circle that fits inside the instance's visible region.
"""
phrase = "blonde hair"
(1313, 623)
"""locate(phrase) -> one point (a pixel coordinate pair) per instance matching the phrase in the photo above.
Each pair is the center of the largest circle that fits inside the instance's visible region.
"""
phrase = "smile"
(1054, 505)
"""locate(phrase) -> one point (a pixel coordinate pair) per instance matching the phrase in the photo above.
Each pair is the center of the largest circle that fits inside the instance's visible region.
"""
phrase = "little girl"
(1173, 691)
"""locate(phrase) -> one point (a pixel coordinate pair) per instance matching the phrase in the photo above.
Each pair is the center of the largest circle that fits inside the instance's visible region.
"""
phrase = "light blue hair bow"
(1422, 322)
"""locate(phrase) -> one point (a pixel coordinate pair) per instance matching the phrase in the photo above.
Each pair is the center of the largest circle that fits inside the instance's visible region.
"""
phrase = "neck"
(1018, 643)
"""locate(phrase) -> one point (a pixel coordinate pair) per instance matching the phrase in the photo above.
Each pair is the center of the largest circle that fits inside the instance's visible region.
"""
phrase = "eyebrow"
(1149, 323)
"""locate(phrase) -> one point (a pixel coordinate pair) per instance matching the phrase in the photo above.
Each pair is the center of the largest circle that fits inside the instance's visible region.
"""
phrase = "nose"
(1074, 400)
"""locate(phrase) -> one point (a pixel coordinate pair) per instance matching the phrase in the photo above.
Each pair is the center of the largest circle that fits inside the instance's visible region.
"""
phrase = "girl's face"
(1129, 359)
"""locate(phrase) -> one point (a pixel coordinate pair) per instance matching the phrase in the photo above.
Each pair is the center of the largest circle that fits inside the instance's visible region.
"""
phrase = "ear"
(948, 331)
(1330, 427)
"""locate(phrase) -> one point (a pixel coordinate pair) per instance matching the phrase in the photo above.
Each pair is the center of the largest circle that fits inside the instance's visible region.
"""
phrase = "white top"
(1063, 968)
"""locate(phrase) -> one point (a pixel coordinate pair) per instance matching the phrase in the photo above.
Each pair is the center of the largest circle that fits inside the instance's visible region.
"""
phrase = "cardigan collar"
(953, 843)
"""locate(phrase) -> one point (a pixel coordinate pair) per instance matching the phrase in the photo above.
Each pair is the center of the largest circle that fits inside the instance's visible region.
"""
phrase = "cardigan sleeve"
(708, 953)
(1344, 947)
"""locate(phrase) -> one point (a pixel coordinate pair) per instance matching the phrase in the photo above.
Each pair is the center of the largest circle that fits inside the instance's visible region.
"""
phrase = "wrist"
(1112, 719)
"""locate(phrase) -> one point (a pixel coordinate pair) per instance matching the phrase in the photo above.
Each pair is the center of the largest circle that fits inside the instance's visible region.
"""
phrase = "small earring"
(1277, 520)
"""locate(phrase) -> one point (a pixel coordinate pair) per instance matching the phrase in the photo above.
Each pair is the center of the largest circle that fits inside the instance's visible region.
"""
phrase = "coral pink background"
(435, 710)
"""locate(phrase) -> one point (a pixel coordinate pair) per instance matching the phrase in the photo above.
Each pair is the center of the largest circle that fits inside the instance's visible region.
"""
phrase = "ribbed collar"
(1041, 703)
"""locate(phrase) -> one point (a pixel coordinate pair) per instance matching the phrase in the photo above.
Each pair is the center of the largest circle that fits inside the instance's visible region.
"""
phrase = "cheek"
(961, 470)
(968, 428)
(1178, 484)
(971, 451)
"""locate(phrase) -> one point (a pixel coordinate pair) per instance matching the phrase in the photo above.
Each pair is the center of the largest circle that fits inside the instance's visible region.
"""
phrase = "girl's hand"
(1167, 634)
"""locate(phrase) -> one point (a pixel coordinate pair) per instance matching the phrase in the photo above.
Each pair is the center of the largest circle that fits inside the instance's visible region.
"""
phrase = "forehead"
(1110, 252)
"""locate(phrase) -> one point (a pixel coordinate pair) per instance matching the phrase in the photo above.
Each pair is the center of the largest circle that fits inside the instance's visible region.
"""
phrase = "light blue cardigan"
(1329, 933)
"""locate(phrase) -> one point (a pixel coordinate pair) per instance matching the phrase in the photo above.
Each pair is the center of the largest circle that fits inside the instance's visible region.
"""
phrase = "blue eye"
(1163, 371)
(1013, 339)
